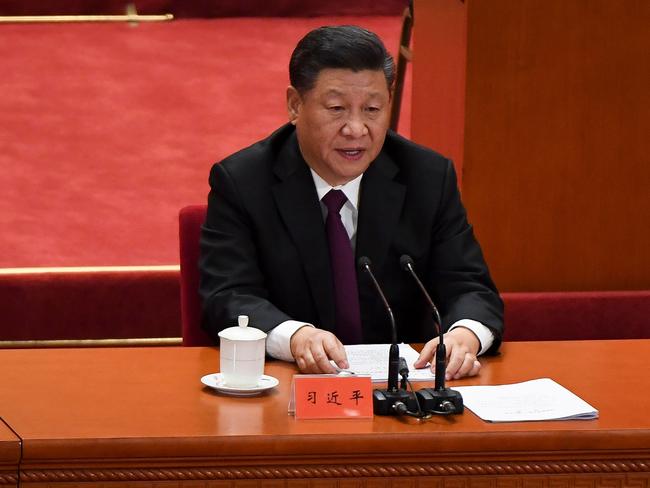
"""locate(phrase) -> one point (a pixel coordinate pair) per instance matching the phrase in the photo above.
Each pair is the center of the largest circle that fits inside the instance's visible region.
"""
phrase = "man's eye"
(335, 108)
(373, 109)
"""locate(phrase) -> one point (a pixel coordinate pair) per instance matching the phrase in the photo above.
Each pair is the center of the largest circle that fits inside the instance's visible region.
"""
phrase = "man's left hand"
(462, 348)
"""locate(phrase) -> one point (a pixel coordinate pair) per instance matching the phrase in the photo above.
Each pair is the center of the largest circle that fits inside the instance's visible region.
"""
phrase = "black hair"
(344, 46)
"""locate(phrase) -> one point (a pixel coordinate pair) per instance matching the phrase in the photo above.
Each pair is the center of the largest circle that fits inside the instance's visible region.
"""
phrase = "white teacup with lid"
(242, 351)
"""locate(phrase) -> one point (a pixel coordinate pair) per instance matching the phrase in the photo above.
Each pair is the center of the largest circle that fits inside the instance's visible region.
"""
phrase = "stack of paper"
(372, 359)
(541, 399)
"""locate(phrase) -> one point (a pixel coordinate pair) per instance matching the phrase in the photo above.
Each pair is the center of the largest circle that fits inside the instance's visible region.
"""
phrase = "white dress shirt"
(279, 338)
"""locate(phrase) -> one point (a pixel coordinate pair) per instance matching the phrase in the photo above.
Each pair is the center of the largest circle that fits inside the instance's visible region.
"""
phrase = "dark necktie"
(344, 276)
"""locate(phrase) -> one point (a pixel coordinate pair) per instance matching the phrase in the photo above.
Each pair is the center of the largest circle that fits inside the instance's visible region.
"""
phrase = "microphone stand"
(440, 399)
(393, 400)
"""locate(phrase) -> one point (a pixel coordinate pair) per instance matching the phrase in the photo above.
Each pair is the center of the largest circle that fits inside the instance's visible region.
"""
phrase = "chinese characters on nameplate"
(329, 396)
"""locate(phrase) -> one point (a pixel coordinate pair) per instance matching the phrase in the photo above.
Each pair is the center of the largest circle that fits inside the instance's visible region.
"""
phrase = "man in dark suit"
(272, 245)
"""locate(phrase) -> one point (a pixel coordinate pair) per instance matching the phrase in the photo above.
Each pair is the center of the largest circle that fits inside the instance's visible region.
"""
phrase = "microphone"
(440, 399)
(393, 357)
(393, 400)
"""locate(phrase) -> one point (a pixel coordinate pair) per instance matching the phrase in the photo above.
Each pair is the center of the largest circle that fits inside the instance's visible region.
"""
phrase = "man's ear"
(294, 102)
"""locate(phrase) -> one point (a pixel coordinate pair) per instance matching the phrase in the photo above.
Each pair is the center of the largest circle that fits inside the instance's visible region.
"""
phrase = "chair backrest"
(404, 56)
(190, 220)
(578, 315)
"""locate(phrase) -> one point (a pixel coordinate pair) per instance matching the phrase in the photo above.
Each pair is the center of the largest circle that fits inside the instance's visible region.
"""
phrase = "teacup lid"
(243, 332)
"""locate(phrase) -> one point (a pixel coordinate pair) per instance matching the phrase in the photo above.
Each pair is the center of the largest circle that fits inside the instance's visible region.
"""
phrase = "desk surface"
(81, 407)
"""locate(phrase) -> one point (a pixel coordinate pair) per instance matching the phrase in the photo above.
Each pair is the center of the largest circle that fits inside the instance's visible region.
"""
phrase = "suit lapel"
(297, 201)
(380, 206)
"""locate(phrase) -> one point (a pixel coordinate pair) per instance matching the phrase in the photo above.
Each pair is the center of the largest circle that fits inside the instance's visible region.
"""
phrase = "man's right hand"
(313, 348)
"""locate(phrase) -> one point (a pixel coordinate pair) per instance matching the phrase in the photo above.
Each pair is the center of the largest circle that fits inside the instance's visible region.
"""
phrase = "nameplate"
(329, 396)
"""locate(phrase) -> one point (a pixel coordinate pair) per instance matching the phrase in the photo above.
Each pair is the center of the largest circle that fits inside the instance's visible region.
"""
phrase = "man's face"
(341, 122)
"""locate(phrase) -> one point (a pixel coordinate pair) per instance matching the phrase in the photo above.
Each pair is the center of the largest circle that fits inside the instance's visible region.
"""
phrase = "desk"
(140, 417)
(9, 455)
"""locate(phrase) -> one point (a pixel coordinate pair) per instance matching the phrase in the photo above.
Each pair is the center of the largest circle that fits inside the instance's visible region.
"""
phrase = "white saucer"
(215, 380)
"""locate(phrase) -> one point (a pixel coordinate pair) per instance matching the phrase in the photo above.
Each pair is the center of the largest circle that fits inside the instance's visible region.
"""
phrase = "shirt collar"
(351, 188)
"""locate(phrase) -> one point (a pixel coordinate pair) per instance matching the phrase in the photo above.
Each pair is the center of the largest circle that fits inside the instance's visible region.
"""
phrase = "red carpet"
(206, 8)
(107, 130)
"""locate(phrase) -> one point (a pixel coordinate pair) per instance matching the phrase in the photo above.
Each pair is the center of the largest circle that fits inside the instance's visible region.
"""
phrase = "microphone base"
(444, 401)
(398, 402)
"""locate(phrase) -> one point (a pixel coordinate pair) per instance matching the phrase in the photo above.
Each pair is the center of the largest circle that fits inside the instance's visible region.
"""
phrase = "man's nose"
(355, 127)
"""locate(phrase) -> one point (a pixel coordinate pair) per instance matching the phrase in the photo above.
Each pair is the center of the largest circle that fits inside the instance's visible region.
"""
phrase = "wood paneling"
(556, 170)
(438, 100)
(610, 480)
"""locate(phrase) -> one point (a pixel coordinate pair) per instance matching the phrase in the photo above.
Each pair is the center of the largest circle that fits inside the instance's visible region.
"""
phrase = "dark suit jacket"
(264, 248)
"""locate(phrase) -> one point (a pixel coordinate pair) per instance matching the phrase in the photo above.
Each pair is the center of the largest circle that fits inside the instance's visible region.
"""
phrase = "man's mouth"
(352, 154)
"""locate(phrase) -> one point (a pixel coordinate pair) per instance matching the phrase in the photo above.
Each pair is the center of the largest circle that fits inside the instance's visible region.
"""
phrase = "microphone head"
(405, 261)
(363, 262)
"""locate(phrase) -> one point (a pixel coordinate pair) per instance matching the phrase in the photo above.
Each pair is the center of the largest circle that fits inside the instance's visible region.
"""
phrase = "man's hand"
(462, 348)
(313, 348)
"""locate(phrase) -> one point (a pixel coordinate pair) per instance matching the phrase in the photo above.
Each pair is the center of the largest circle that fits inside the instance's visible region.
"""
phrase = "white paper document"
(372, 359)
(541, 399)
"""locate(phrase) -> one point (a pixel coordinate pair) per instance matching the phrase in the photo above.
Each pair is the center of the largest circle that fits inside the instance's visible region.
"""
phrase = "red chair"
(577, 315)
(190, 220)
